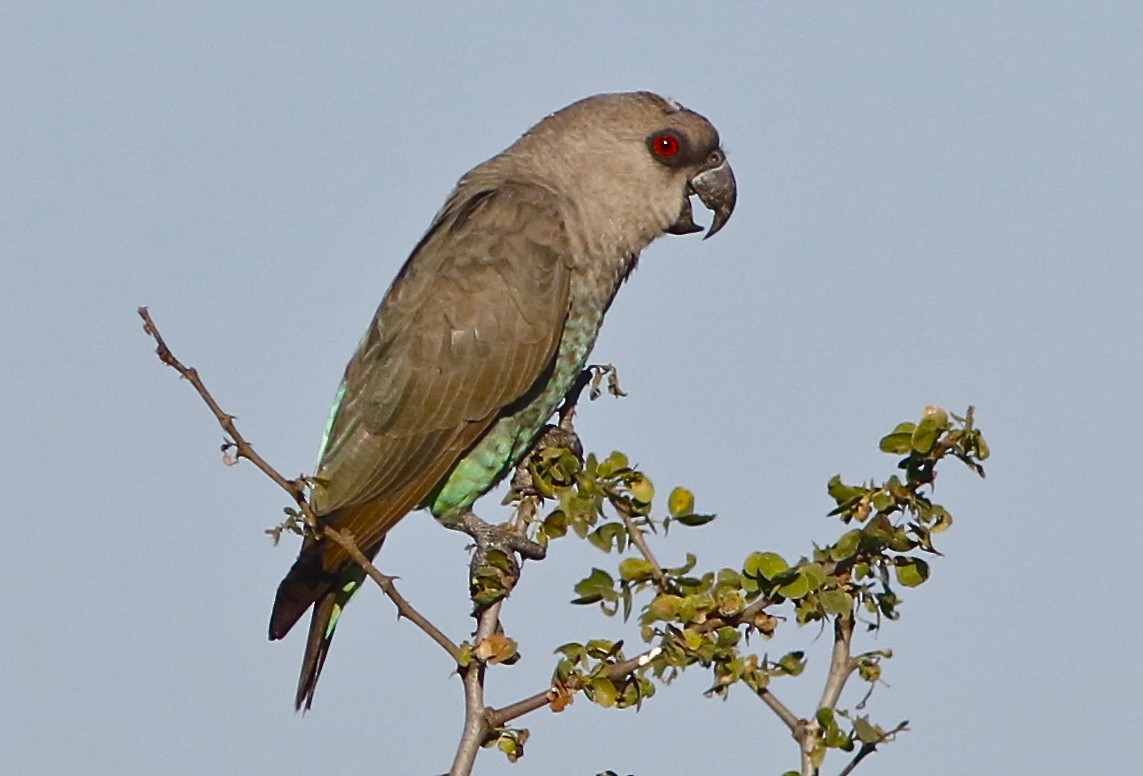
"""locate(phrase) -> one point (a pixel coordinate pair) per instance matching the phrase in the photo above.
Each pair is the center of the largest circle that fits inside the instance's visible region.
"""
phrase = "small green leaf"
(936, 414)
(692, 640)
(982, 450)
(664, 607)
(602, 691)
(633, 569)
(641, 489)
(601, 649)
(814, 574)
(572, 650)
(614, 462)
(900, 441)
(941, 518)
(840, 492)
(867, 732)
(681, 502)
(792, 663)
(678, 571)
(925, 436)
(836, 602)
(798, 588)
(608, 536)
(846, 546)
(556, 524)
(596, 586)
(911, 571)
(883, 500)
(693, 520)
(869, 670)
(766, 565)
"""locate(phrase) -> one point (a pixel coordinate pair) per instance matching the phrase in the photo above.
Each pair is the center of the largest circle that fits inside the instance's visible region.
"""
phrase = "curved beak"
(716, 188)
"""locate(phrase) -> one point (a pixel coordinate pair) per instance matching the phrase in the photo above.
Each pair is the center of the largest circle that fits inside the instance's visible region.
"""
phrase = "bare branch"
(296, 488)
(805, 743)
(385, 582)
(242, 447)
(475, 720)
(788, 717)
(502, 716)
(841, 664)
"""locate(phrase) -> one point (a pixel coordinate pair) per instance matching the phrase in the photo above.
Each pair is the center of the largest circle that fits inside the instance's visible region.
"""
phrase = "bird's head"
(630, 163)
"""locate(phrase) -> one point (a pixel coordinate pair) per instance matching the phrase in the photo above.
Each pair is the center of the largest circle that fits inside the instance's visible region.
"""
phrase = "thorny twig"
(475, 720)
(296, 488)
(242, 448)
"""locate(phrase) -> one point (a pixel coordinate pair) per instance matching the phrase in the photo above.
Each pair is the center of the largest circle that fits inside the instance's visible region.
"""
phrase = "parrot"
(487, 326)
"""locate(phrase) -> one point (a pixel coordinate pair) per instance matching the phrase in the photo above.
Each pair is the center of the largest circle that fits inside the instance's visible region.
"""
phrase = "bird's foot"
(494, 570)
(490, 537)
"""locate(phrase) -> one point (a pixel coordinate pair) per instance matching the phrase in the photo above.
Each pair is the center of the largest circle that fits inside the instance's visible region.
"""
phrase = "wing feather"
(468, 328)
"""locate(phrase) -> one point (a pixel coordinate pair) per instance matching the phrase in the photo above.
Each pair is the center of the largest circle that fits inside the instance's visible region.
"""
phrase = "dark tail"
(323, 622)
(306, 584)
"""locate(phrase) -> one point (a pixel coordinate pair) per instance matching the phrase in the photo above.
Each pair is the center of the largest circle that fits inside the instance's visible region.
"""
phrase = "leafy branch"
(490, 581)
(685, 618)
(706, 619)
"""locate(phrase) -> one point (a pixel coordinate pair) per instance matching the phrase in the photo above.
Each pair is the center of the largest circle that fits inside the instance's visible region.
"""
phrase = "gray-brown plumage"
(489, 322)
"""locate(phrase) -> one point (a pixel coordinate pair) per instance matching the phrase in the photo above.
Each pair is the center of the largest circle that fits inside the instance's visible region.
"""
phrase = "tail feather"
(323, 622)
(308, 584)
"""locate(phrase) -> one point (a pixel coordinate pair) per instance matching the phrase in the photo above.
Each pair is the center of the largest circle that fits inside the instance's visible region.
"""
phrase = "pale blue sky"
(939, 203)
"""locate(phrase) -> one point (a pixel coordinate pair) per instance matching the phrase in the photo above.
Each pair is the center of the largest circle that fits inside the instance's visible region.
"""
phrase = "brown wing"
(468, 327)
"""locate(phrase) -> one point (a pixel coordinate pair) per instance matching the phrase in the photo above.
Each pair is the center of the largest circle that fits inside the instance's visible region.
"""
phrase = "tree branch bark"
(475, 720)
(841, 664)
(788, 717)
(242, 448)
(385, 582)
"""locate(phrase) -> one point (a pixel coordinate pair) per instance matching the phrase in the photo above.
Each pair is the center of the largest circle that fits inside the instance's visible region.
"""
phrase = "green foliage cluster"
(688, 617)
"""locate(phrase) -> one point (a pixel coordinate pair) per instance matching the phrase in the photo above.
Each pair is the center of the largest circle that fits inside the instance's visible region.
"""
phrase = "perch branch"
(386, 583)
(296, 488)
(788, 717)
(841, 665)
(242, 448)
(475, 721)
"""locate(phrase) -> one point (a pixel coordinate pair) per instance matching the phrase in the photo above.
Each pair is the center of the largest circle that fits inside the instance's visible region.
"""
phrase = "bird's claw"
(494, 570)
(493, 537)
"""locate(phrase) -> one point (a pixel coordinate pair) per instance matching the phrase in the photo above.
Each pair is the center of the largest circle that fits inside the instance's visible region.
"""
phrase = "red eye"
(665, 145)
